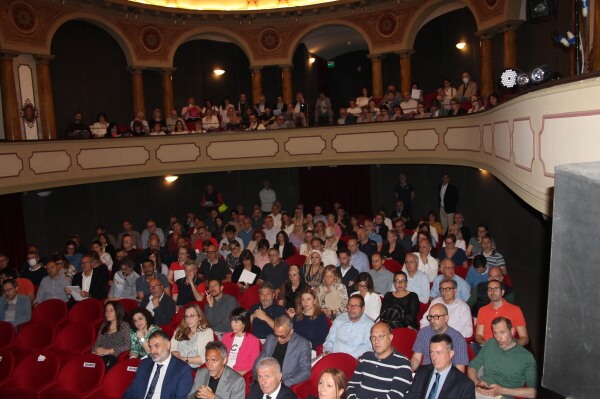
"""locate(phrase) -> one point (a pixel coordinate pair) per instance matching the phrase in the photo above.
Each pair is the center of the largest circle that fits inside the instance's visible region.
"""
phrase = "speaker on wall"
(542, 8)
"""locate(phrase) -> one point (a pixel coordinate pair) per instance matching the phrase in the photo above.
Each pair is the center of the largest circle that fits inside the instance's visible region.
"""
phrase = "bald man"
(158, 303)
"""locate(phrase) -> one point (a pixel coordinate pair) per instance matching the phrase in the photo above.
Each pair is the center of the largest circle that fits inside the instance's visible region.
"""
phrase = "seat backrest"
(392, 265)
(422, 309)
(76, 337)
(129, 304)
(7, 364)
(82, 373)
(35, 335)
(403, 341)
(7, 334)
(297, 260)
(169, 330)
(460, 271)
(232, 289)
(52, 310)
(342, 361)
(250, 297)
(89, 310)
(119, 377)
(36, 369)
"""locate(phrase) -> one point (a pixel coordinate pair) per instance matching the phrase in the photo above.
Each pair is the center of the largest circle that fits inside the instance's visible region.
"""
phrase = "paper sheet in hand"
(76, 292)
(415, 94)
(247, 277)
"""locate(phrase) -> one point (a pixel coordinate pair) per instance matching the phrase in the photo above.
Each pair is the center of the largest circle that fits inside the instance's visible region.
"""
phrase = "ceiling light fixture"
(461, 45)
(311, 60)
(218, 71)
(171, 178)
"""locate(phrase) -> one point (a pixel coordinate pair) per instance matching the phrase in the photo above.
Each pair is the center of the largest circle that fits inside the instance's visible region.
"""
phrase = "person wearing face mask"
(467, 89)
(34, 271)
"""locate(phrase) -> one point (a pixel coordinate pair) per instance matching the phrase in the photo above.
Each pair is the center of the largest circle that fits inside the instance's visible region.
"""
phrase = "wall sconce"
(461, 45)
(171, 179)
(218, 71)
(311, 60)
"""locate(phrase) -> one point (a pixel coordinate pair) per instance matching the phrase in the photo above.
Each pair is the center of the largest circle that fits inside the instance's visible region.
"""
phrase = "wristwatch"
(142, 340)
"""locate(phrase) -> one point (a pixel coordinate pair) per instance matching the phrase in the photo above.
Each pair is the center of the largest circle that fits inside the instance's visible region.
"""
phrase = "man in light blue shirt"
(52, 286)
(152, 229)
(359, 260)
(447, 268)
(350, 331)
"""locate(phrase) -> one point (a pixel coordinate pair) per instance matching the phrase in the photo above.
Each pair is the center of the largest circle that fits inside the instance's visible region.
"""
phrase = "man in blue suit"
(14, 308)
(160, 376)
(441, 379)
(291, 351)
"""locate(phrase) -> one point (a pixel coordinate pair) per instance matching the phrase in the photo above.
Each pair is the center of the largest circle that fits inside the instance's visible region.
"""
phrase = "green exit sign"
(330, 64)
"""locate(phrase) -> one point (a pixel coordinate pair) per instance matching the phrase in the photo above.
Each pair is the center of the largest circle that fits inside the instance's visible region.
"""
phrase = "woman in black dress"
(408, 301)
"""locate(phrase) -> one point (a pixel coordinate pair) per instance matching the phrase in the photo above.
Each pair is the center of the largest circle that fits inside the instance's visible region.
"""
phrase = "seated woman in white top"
(364, 98)
(180, 128)
(366, 288)
(99, 128)
(210, 122)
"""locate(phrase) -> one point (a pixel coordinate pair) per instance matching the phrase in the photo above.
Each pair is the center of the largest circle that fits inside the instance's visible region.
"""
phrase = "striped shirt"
(495, 259)
(380, 378)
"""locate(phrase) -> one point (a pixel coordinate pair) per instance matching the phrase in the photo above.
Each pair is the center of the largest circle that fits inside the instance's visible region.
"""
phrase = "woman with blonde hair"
(313, 270)
(332, 294)
(332, 384)
(192, 335)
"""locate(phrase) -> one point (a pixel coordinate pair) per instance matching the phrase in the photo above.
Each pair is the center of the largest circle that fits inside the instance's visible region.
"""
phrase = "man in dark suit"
(93, 281)
(217, 381)
(160, 376)
(448, 199)
(441, 379)
(158, 303)
(290, 350)
(347, 271)
(269, 381)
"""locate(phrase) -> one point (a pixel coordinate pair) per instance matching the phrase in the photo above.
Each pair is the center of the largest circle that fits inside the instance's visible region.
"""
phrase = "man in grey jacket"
(217, 380)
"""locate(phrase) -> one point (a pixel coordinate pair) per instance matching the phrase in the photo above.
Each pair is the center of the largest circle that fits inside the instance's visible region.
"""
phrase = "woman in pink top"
(242, 347)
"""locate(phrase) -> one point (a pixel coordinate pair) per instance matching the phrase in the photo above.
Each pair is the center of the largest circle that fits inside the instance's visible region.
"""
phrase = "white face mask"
(32, 262)
(465, 80)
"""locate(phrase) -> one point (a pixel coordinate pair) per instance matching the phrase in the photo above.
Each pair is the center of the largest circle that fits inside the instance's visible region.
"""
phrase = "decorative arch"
(414, 25)
(289, 55)
(105, 24)
(213, 30)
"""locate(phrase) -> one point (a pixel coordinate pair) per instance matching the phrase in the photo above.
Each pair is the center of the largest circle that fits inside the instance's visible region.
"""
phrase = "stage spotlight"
(508, 78)
(540, 74)
(523, 79)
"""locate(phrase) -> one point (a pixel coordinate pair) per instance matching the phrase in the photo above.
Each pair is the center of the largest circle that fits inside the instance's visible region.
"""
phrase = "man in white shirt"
(276, 214)
(267, 196)
(408, 104)
(270, 231)
(152, 229)
(418, 282)
(458, 311)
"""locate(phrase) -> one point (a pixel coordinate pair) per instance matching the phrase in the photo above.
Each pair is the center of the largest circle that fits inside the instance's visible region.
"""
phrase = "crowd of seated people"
(243, 116)
(329, 292)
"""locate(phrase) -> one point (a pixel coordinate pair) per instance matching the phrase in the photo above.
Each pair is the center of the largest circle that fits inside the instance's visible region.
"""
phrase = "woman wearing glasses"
(366, 288)
(403, 299)
(192, 335)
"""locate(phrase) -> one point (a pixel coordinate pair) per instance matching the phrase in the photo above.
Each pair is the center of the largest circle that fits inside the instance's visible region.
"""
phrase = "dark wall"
(152, 91)
(89, 73)
(194, 77)
(351, 73)
(436, 57)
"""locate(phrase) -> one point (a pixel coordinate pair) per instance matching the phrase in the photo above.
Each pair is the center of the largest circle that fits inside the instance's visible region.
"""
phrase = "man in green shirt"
(508, 368)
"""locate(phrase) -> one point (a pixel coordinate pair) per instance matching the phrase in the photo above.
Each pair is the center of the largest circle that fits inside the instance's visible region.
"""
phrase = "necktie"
(154, 382)
(434, 388)
(268, 397)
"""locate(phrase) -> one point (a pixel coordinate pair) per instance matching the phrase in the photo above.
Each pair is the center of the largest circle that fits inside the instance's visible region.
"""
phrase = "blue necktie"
(434, 388)
(154, 382)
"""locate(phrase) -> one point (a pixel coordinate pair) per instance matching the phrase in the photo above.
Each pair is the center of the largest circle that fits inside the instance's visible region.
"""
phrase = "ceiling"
(330, 41)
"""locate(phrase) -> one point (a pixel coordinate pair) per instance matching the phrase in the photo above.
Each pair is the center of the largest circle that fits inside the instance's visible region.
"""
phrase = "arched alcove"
(195, 62)
(89, 74)
(340, 68)
(436, 57)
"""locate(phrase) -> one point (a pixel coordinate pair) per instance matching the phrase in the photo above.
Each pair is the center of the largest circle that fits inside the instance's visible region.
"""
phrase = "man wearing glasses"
(160, 305)
(496, 308)
(382, 372)
(14, 308)
(438, 324)
(458, 311)
(350, 331)
(213, 267)
(291, 351)
(447, 269)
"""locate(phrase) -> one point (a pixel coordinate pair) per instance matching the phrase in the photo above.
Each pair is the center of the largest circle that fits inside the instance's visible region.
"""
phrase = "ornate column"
(137, 89)
(509, 39)
(595, 58)
(286, 83)
(405, 70)
(487, 63)
(46, 100)
(377, 76)
(10, 111)
(256, 83)
(167, 91)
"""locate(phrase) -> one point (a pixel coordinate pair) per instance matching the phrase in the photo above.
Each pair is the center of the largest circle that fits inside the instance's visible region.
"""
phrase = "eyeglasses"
(494, 288)
(353, 306)
(361, 285)
(399, 281)
(435, 317)
(374, 338)
(282, 336)
(447, 289)
(190, 316)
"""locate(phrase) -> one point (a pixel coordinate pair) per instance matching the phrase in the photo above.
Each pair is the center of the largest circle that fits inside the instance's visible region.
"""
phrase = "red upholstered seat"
(116, 381)
(250, 297)
(342, 361)
(7, 334)
(78, 377)
(35, 372)
(74, 339)
(52, 310)
(403, 341)
(7, 365)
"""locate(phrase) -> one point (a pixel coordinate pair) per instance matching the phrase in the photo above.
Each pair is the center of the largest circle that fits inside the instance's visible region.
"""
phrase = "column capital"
(43, 58)
(8, 55)
(375, 56)
(286, 67)
(510, 25)
(256, 69)
(167, 71)
(486, 34)
(405, 53)
(135, 70)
